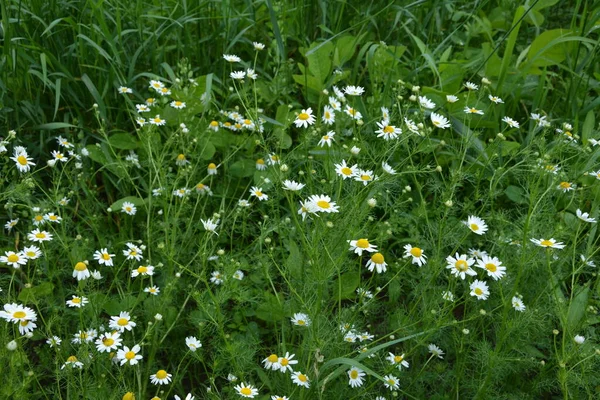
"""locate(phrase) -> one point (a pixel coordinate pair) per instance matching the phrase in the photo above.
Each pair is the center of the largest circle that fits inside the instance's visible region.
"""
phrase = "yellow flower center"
(80, 266)
(133, 253)
(142, 269)
(546, 243)
(214, 123)
(178, 104)
(40, 235)
(327, 115)
(377, 258)
(388, 129)
(365, 177)
(53, 217)
(164, 90)
(19, 314)
(565, 185)
(352, 111)
(362, 243)
(106, 256)
(478, 291)
(303, 116)
(157, 120)
(473, 110)
(181, 157)
(258, 193)
(247, 122)
(108, 342)
(13, 258)
(273, 358)
(491, 267)
(391, 382)
(260, 161)
(398, 359)
(129, 396)
(346, 171)
(284, 362)
(122, 322)
(76, 300)
(130, 355)
(246, 391)
(325, 137)
(302, 377)
(416, 252)
(30, 254)
(24, 323)
(161, 374)
(212, 166)
(436, 122)
(38, 218)
(474, 227)
(301, 322)
(72, 359)
(353, 374)
(461, 265)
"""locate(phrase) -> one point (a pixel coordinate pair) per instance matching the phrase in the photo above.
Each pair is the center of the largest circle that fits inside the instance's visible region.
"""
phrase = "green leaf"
(547, 49)
(34, 294)
(345, 286)
(242, 168)
(52, 126)
(208, 151)
(123, 141)
(577, 309)
(271, 309)
(319, 62)
(516, 194)
(115, 306)
(588, 126)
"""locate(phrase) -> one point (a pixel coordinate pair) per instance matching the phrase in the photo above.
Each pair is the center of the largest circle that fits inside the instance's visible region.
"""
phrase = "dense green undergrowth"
(299, 200)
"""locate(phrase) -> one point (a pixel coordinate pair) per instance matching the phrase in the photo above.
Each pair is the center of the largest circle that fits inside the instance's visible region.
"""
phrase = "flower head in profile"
(439, 121)
(426, 103)
(124, 90)
(471, 86)
(435, 351)
(231, 58)
(354, 90)
(377, 262)
(476, 225)
(511, 122)
(548, 243)
(210, 225)
(585, 217)
(292, 185)
(81, 271)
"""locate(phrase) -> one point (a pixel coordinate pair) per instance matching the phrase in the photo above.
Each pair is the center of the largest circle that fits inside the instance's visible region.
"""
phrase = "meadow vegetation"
(299, 200)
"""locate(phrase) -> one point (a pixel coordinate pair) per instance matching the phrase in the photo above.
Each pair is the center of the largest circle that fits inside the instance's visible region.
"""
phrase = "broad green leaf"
(243, 168)
(516, 194)
(271, 309)
(36, 293)
(207, 151)
(123, 141)
(52, 126)
(319, 63)
(577, 309)
(345, 286)
(547, 50)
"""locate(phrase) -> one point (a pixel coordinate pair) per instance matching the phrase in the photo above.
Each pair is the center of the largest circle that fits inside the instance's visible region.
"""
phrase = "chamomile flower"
(416, 253)
(128, 208)
(360, 245)
(122, 322)
(450, 98)
(377, 262)
(273, 159)
(435, 351)
(387, 131)
(64, 143)
(448, 296)
(355, 114)
(355, 376)
(77, 301)
(72, 362)
(26, 327)
(305, 118)
(285, 363)
(11, 224)
(151, 101)
(237, 75)
(142, 108)
(59, 156)
(258, 193)
(81, 271)
(292, 185)
(140, 121)
(210, 225)
(13, 259)
(104, 257)
(471, 86)
(132, 252)
(157, 120)
(275, 397)
(479, 289)
(517, 304)
(493, 266)
(271, 362)
(84, 336)
(246, 390)
(426, 103)
(161, 377)
(153, 290)
(472, 110)
(32, 252)
(328, 116)
(181, 192)
(108, 341)
(300, 319)
(495, 99)
(129, 356)
(16, 313)
(476, 253)
(124, 90)
(321, 203)
(54, 341)
(51, 217)
(476, 225)
(566, 186)
(216, 277)
(548, 243)
(300, 379)
(460, 265)
(345, 171)
(439, 121)
(399, 361)
(177, 104)
(231, 58)
(585, 217)
(388, 168)
(354, 90)
(364, 176)
(327, 139)
(142, 270)
(335, 104)
(258, 46)
(250, 73)
(22, 159)
(511, 122)
(391, 382)
(192, 343)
